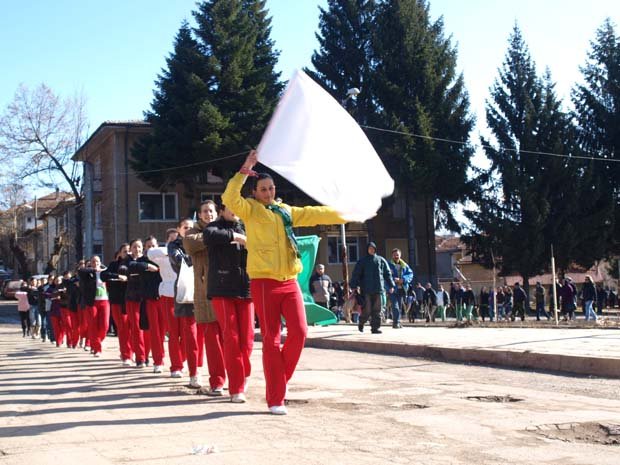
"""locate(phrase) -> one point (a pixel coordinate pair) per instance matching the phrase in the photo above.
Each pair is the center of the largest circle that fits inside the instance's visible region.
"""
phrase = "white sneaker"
(126, 363)
(86, 349)
(194, 382)
(176, 374)
(97, 354)
(216, 392)
(238, 398)
(158, 368)
(278, 410)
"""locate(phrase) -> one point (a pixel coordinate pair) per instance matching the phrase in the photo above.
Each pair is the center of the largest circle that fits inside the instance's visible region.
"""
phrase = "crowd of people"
(386, 290)
(199, 293)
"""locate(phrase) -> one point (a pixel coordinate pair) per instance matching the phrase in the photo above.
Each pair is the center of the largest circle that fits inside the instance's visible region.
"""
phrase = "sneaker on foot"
(126, 363)
(158, 368)
(176, 374)
(216, 391)
(194, 382)
(376, 331)
(140, 365)
(86, 349)
(97, 354)
(238, 398)
(278, 410)
(360, 327)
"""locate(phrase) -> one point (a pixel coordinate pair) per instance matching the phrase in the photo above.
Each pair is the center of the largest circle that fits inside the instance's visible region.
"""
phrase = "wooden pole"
(555, 288)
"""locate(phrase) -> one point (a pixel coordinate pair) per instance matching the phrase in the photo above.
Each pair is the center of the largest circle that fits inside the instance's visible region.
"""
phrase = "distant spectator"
(443, 301)
(588, 292)
(402, 274)
(520, 298)
(430, 302)
(484, 303)
(568, 293)
(321, 286)
(539, 293)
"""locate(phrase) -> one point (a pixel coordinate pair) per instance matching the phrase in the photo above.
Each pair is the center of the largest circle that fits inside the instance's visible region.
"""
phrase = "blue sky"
(112, 51)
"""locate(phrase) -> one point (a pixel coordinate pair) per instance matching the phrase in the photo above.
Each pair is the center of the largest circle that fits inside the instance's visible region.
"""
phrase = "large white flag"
(314, 143)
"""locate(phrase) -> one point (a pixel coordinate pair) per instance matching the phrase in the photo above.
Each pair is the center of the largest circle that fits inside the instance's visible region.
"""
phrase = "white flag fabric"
(314, 143)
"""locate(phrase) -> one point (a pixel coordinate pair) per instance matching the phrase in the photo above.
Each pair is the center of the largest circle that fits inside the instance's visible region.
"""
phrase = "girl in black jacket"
(229, 290)
(138, 289)
(115, 277)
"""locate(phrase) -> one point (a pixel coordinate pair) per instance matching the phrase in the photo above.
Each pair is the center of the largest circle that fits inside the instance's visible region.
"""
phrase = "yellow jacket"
(270, 254)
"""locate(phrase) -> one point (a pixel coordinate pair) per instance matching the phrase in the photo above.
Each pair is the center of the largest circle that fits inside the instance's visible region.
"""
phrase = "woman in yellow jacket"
(273, 265)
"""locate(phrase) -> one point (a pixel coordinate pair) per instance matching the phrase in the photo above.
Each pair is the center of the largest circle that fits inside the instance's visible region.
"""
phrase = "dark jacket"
(74, 293)
(33, 296)
(588, 291)
(370, 273)
(117, 289)
(469, 298)
(519, 295)
(430, 297)
(62, 293)
(227, 275)
(41, 302)
(176, 255)
(88, 285)
(539, 293)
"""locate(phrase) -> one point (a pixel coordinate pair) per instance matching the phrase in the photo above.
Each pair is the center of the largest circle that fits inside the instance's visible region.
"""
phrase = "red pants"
(274, 300)
(209, 337)
(84, 324)
(176, 347)
(99, 319)
(122, 326)
(140, 340)
(71, 325)
(158, 325)
(236, 318)
(58, 328)
(189, 330)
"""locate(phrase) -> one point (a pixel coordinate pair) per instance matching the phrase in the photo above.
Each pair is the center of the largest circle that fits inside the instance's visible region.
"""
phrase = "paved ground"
(64, 406)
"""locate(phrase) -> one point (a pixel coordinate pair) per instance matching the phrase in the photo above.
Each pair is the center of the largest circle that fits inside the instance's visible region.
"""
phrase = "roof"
(448, 243)
(105, 127)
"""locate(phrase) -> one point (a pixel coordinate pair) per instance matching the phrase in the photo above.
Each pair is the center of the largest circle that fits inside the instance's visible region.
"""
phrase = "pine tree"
(524, 198)
(214, 99)
(177, 138)
(345, 57)
(597, 112)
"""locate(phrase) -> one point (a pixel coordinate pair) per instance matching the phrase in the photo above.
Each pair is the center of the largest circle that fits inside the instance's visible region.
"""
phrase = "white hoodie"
(159, 255)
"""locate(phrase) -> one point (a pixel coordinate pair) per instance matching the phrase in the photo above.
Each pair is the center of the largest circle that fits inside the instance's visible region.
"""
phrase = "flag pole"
(555, 287)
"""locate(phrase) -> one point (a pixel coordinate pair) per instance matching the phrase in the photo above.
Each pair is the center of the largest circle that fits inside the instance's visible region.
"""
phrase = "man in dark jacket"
(370, 274)
(519, 297)
(540, 301)
(430, 302)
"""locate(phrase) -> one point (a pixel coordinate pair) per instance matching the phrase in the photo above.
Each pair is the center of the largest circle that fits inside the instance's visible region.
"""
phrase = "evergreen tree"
(216, 97)
(597, 112)
(177, 138)
(524, 200)
(345, 57)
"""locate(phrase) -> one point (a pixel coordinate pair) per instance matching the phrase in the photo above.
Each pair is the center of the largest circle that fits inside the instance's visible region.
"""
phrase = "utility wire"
(529, 152)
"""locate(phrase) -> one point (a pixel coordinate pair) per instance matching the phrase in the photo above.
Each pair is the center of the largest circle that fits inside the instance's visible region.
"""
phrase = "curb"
(580, 365)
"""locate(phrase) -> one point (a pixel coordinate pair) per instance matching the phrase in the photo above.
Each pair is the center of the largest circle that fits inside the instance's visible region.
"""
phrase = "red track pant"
(122, 326)
(99, 319)
(210, 342)
(59, 330)
(176, 346)
(236, 318)
(71, 326)
(189, 330)
(158, 325)
(84, 324)
(273, 300)
(140, 340)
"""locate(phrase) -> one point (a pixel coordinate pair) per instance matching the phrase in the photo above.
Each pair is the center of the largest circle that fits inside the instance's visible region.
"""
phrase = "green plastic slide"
(315, 314)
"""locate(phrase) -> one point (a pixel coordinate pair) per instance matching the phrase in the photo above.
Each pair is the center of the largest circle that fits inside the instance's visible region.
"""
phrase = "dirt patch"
(296, 401)
(499, 399)
(588, 432)
(345, 406)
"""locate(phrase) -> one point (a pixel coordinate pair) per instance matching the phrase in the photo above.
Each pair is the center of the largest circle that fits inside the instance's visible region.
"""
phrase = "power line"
(529, 152)
(189, 165)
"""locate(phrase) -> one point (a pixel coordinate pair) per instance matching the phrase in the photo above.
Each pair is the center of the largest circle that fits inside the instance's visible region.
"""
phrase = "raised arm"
(232, 197)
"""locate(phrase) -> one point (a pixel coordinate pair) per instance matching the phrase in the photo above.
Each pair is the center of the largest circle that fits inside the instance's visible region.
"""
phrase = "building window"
(334, 246)
(215, 196)
(157, 207)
